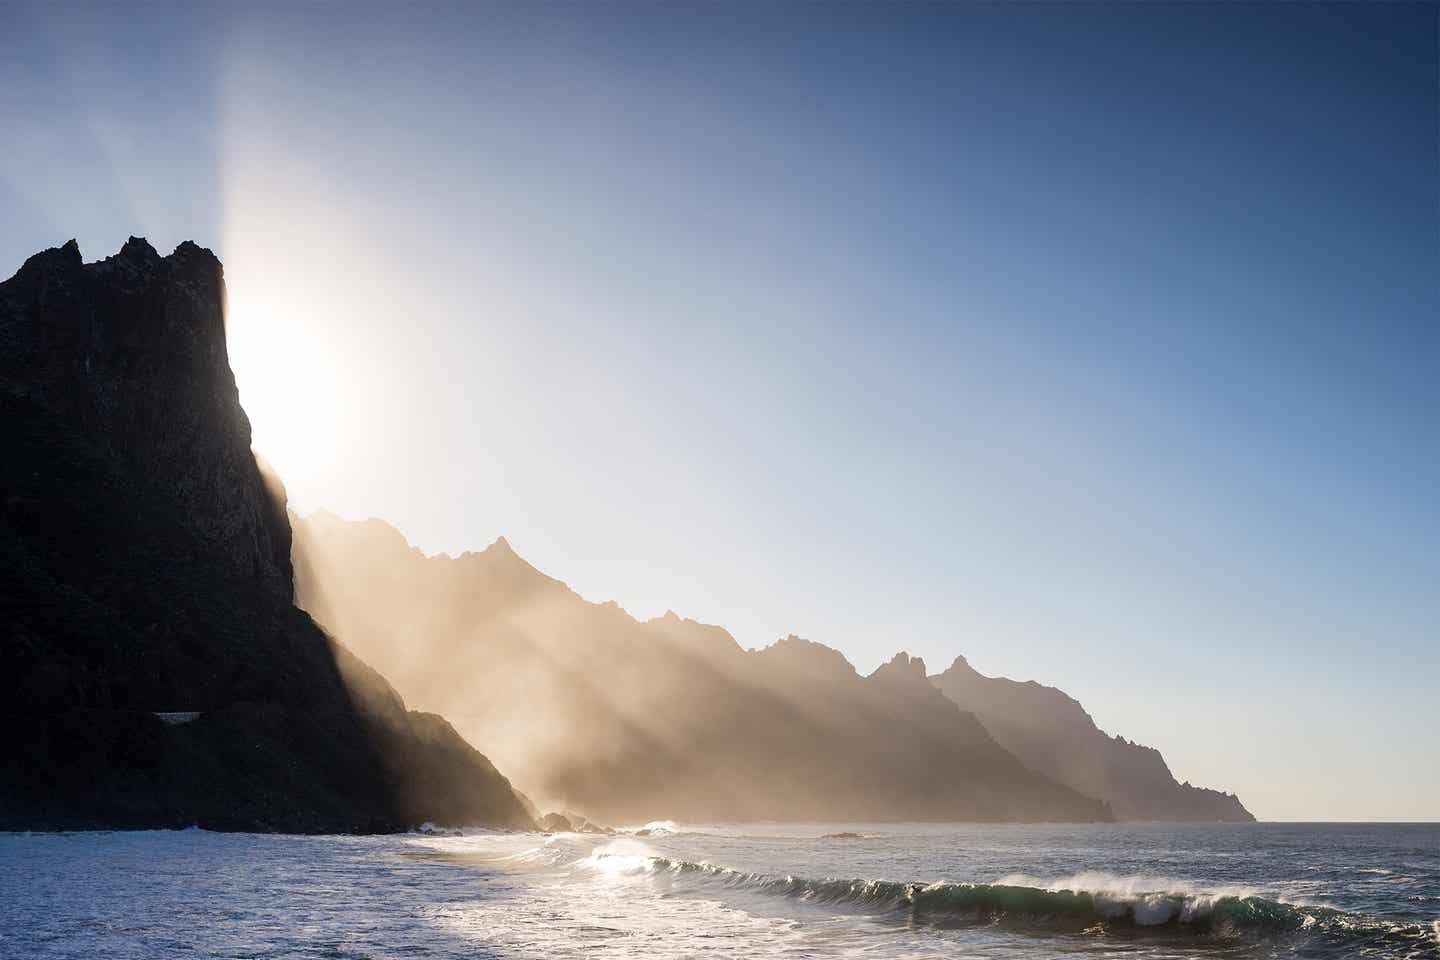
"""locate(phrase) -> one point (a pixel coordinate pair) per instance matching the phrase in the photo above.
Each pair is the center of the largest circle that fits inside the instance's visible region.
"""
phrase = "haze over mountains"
(625, 720)
(145, 568)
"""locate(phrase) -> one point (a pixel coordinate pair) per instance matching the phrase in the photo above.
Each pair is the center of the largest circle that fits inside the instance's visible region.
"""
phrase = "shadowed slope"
(144, 567)
(1051, 733)
(594, 711)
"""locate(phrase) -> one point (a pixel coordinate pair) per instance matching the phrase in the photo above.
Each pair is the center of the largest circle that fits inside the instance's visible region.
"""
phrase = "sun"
(287, 383)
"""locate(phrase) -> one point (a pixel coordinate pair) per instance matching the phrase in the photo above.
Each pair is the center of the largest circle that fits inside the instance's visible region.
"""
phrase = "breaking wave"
(1086, 903)
(655, 828)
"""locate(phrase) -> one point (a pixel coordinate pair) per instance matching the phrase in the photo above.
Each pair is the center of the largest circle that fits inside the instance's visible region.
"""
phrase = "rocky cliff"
(129, 353)
(145, 569)
(627, 721)
(1051, 733)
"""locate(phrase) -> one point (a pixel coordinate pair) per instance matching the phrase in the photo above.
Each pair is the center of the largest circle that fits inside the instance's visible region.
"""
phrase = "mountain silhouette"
(627, 721)
(1051, 733)
(155, 671)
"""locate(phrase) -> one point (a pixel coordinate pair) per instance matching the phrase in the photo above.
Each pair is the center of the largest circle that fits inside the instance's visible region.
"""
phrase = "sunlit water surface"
(1001, 891)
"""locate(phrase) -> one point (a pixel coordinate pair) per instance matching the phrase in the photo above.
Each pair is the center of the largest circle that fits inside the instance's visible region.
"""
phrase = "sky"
(1097, 343)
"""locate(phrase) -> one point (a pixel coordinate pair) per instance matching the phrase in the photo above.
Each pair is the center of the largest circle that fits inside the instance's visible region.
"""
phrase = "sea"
(731, 890)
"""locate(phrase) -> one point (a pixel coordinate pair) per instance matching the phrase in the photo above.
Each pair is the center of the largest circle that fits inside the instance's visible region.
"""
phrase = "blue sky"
(1097, 343)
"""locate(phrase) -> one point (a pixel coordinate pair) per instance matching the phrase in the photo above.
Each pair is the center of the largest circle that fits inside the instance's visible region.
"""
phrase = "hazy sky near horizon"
(1098, 343)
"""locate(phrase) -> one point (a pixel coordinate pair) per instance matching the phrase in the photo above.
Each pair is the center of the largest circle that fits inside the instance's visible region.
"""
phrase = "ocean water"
(752, 891)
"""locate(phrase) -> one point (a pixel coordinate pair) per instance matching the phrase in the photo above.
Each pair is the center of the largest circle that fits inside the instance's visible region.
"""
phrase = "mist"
(594, 712)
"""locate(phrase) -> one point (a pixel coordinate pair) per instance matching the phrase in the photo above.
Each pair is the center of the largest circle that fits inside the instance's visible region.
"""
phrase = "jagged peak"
(138, 248)
(902, 666)
(190, 251)
(136, 260)
(52, 259)
(500, 555)
(672, 619)
(960, 666)
(798, 650)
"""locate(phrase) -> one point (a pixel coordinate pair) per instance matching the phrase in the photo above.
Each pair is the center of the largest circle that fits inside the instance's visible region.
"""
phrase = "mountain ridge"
(795, 656)
(626, 720)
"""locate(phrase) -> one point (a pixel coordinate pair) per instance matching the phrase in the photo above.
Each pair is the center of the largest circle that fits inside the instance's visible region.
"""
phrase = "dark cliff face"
(1051, 733)
(144, 568)
(130, 353)
(627, 721)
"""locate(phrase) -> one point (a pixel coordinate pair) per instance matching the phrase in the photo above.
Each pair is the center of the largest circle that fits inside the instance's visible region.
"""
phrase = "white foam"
(621, 856)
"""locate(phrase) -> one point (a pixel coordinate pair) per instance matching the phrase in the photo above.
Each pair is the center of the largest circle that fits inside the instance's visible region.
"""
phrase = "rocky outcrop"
(145, 568)
(630, 722)
(1052, 734)
(555, 823)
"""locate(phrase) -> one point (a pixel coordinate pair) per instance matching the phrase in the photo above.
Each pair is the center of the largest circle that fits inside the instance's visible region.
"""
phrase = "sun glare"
(287, 385)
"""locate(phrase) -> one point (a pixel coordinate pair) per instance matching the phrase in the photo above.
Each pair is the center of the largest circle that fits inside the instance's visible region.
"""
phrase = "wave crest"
(1085, 903)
